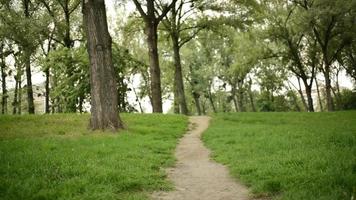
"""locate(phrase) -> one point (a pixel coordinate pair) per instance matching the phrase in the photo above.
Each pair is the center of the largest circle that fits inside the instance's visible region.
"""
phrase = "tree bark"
(329, 100)
(178, 77)
(29, 89)
(104, 111)
(27, 54)
(197, 102)
(15, 101)
(155, 71)
(319, 96)
(47, 107)
(19, 108)
(308, 91)
(3, 83)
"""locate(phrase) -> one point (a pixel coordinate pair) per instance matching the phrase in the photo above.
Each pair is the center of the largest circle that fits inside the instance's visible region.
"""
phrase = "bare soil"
(196, 176)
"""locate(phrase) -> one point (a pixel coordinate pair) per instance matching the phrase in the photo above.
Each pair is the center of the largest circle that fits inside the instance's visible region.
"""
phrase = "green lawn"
(56, 157)
(297, 156)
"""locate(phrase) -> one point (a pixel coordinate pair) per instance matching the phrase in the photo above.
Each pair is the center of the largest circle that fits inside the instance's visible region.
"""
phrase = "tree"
(152, 21)
(299, 47)
(326, 20)
(104, 112)
(181, 31)
(63, 15)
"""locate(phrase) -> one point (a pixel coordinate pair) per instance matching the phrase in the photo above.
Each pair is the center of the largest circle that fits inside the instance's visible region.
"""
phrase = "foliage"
(56, 157)
(288, 155)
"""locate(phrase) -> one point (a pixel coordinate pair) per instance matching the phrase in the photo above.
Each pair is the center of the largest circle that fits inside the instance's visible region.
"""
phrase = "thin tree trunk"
(211, 100)
(3, 83)
(19, 109)
(300, 91)
(137, 98)
(233, 96)
(319, 96)
(197, 102)
(47, 107)
(329, 99)
(251, 95)
(104, 113)
(240, 98)
(14, 102)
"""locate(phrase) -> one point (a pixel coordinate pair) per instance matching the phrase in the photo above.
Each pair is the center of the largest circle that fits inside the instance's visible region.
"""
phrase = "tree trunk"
(251, 95)
(329, 100)
(233, 96)
(178, 77)
(104, 113)
(319, 96)
(300, 91)
(308, 91)
(211, 101)
(14, 102)
(19, 108)
(29, 89)
(155, 71)
(175, 100)
(3, 84)
(27, 53)
(240, 98)
(47, 107)
(197, 102)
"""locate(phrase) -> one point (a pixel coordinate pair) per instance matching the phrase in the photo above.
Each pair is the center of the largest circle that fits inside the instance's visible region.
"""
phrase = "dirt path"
(196, 176)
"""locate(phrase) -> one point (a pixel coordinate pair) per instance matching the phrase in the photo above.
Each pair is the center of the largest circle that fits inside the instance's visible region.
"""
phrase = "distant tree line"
(236, 56)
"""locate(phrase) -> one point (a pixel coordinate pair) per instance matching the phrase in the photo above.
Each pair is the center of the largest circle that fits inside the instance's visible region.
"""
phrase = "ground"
(195, 176)
(276, 155)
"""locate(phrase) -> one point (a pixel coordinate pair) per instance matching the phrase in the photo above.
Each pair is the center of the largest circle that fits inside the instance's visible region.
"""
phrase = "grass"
(56, 157)
(297, 156)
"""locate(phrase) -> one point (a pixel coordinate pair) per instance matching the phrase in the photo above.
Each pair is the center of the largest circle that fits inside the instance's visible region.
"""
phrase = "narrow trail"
(195, 176)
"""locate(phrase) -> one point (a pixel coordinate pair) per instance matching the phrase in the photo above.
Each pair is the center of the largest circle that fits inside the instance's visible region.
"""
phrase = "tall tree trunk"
(178, 76)
(19, 108)
(3, 83)
(47, 107)
(104, 113)
(319, 96)
(155, 71)
(15, 101)
(27, 53)
(29, 89)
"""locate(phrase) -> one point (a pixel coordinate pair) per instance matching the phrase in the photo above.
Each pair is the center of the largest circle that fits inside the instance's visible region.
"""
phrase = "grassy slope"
(289, 155)
(56, 157)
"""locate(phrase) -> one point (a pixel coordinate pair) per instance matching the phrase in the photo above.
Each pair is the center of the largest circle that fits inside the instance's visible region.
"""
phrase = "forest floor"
(195, 175)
